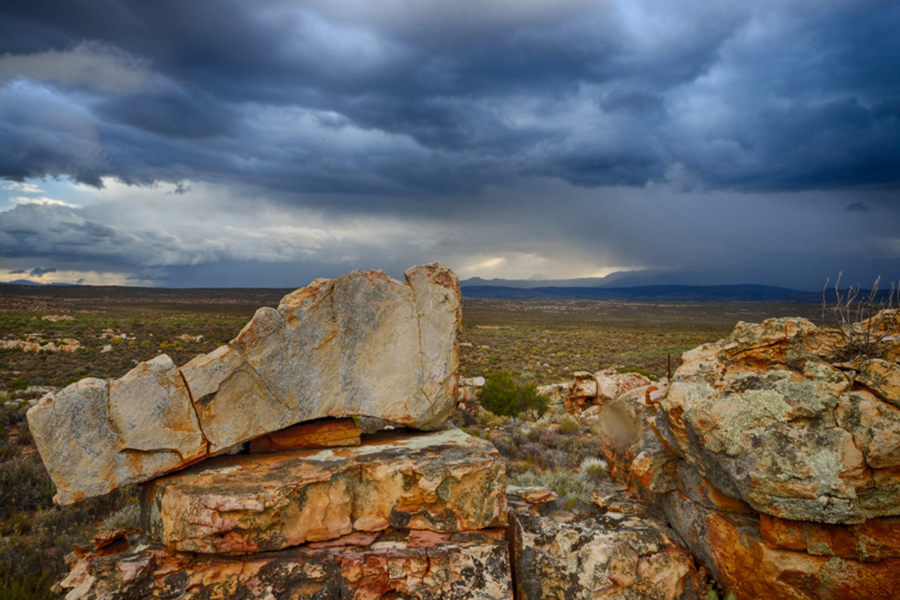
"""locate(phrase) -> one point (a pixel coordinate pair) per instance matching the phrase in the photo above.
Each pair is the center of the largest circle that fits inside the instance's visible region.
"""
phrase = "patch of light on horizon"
(77, 277)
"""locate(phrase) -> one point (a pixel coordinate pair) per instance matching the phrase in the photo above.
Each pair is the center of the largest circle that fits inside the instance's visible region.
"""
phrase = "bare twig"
(852, 316)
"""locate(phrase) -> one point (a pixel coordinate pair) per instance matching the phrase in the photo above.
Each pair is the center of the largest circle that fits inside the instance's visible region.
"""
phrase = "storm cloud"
(579, 124)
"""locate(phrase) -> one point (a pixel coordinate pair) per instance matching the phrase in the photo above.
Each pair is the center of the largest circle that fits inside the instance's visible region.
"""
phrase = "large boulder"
(427, 565)
(769, 418)
(599, 553)
(444, 481)
(363, 344)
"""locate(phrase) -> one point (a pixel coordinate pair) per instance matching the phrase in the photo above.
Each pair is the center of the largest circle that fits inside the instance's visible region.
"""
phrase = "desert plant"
(569, 426)
(852, 316)
(503, 396)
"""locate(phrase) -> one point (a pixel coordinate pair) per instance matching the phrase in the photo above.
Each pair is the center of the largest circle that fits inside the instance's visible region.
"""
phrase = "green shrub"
(503, 396)
(17, 384)
(643, 372)
(569, 426)
(24, 486)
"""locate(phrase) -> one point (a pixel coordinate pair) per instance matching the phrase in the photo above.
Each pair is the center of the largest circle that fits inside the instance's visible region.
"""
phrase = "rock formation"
(596, 551)
(776, 460)
(363, 344)
(444, 481)
(454, 566)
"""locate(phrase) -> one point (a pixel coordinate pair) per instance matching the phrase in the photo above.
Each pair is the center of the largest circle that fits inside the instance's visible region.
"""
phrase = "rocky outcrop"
(363, 344)
(734, 549)
(390, 564)
(634, 454)
(594, 389)
(598, 553)
(768, 419)
(444, 481)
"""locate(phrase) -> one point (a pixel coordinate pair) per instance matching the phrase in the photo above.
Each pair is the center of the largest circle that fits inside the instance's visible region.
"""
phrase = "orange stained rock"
(389, 568)
(874, 540)
(733, 547)
(317, 434)
(442, 481)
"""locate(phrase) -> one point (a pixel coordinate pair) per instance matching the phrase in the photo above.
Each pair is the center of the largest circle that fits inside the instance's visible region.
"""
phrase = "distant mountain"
(678, 293)
(37, 283)
(805, 272)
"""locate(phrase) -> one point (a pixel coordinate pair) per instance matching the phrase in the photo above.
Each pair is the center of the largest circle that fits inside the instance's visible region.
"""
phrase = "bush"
(17, 384)
(569, 426)
(643, 372)
(503, 396)
(24, 486)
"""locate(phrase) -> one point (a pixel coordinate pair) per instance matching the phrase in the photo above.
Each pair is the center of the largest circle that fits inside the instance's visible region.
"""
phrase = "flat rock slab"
(608, 555)
(442, 481)
(319, 434)
(460, 566)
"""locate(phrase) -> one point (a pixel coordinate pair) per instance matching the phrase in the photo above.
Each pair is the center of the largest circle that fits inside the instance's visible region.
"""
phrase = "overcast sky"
(269, 142)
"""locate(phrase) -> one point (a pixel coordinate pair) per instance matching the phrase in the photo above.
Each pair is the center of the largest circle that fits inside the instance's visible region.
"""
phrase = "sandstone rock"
(611, 383)
(874, 540)
(767, 421)
(585, 385)
(316, 434)
(731, 546)
(95, 436)
(442, 481)
(634, 454)
(883, 378)
(459, 566)
(599, 555)
(363, 344)
(469, 389)
(150, 409)
(232, 402)
(557, 394)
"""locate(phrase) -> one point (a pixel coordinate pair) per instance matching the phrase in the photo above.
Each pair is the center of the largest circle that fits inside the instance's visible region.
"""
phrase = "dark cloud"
(41, 271)
(684, 119)
(596, 94)
(18, 272)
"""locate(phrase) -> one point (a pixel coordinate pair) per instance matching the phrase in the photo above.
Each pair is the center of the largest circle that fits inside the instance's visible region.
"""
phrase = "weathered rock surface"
(732, 547)
(459, 566)
(635, 455)
(599, 554)
(557, 394)
(363, 344)
(589, 389)
(95, 436)
(874, 540)
(442, 481)
(766, 419)
(316, 434)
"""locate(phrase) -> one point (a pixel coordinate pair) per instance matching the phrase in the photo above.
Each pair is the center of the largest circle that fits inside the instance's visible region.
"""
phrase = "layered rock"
(599, 553)
(362, 345)
(766, 418)
(732, 546)
(444, 481)
(458, 566)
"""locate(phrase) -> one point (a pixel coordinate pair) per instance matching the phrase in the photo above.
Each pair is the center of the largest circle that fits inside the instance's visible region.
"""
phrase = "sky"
(218, 143)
